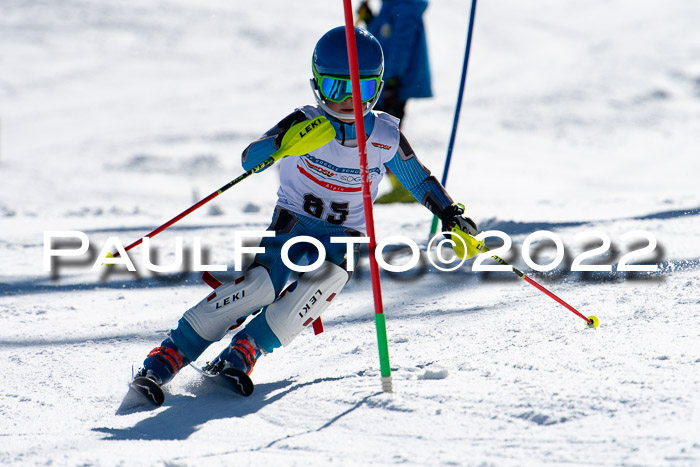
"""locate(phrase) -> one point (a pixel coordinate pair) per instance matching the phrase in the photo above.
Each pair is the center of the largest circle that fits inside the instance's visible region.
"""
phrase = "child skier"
(319, 196)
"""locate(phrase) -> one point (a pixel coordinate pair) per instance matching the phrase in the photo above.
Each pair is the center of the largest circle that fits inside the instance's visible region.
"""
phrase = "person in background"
(399, 28)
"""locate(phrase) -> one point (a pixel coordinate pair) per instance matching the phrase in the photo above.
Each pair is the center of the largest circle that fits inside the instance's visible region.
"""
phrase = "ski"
(149, 389)
(143, 394)
(232, 378)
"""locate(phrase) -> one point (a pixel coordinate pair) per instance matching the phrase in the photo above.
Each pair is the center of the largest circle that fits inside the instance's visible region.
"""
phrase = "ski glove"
(304, 137)
(453, 217)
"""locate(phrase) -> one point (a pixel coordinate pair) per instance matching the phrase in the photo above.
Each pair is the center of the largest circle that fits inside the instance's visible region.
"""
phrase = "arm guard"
(267, 144)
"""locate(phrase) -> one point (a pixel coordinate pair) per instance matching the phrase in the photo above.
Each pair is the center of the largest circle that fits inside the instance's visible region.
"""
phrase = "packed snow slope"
(579, 115)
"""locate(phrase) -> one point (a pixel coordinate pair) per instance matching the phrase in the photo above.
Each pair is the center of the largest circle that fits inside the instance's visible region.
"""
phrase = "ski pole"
(300, 139)
(379, 317)
(591, 321)
(462, 83)
(474, 247)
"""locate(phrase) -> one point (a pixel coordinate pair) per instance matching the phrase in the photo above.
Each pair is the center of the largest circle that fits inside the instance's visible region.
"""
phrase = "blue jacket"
(399, 28)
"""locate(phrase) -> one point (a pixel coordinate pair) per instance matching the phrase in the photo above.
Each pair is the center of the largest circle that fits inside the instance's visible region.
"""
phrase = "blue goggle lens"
(339, 89)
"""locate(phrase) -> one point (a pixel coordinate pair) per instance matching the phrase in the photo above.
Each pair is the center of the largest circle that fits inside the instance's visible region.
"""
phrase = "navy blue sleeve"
(416, 178)
(262, 148)
(406, 28)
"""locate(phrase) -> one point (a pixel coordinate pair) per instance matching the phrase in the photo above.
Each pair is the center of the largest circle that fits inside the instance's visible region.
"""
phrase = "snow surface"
(578, 115)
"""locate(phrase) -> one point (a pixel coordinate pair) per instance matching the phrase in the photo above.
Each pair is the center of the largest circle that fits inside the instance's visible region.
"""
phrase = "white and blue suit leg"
(305, 299)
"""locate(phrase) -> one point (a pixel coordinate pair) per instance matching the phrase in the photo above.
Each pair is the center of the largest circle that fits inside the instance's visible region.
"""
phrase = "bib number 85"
(315, 207)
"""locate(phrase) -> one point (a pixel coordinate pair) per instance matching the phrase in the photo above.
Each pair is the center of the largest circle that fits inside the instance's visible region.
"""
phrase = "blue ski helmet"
(331, 72)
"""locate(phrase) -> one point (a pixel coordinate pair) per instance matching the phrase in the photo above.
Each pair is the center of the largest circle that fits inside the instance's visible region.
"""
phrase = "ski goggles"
(337, 89)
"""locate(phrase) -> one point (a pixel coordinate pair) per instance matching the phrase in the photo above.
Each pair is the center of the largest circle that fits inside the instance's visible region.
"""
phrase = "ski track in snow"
(577, 116)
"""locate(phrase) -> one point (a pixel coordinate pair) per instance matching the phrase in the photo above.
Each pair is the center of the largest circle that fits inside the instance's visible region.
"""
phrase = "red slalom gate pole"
(380, 320)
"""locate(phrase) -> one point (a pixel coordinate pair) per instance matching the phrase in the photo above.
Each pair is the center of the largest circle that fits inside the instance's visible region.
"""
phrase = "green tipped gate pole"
(379, 317)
